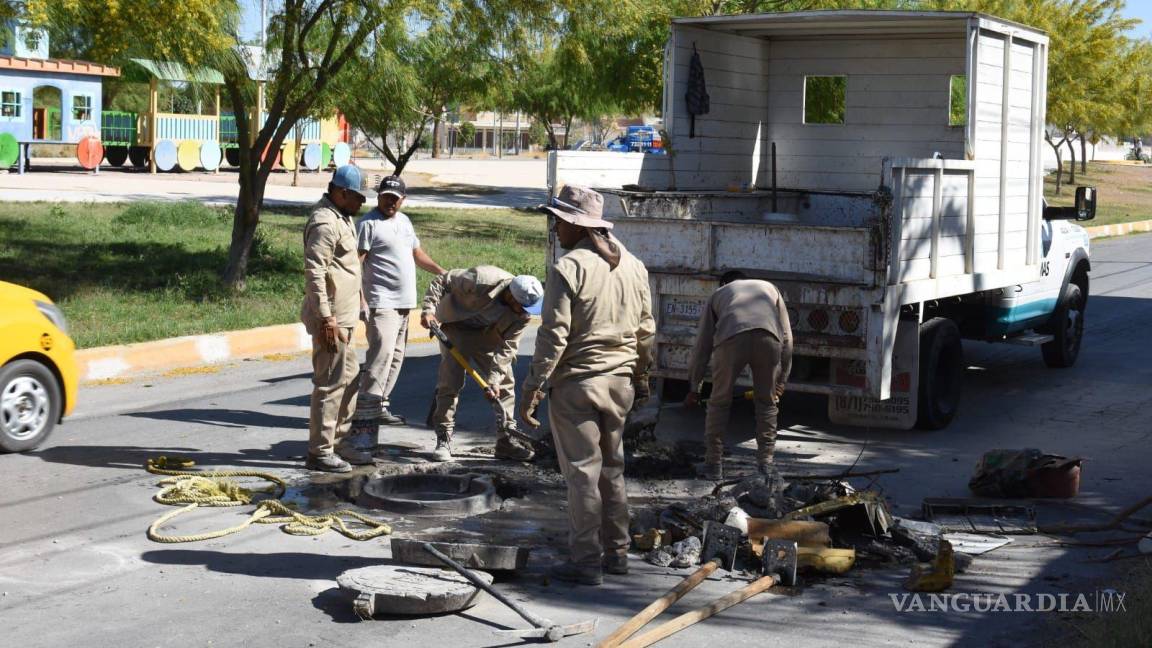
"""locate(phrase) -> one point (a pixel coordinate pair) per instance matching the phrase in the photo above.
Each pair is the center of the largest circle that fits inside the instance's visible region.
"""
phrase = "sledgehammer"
(541, 628)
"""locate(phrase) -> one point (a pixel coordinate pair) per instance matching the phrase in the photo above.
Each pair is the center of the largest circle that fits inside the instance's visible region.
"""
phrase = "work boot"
(388, 418)
(355, 456)
(327, 463)
(709, 471)
(579, 574)
(443, 451)
(510, 450)
(616, 564)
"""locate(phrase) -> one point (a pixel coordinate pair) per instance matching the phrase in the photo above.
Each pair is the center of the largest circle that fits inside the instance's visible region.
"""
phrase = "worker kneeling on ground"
(745, 324)
(482, 311)
(593, 350)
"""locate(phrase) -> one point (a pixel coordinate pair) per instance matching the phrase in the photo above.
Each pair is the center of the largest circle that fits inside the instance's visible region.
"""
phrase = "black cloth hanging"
(697, 93)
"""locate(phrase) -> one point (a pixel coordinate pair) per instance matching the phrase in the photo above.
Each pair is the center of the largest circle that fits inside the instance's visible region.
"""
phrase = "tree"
(466, 134)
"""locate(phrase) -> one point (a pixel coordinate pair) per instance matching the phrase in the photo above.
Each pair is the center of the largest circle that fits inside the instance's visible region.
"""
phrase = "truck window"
(958, 101)
(824, 99)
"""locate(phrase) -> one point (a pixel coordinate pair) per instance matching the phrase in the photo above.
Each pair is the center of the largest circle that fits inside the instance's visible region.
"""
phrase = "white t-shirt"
(389, 268)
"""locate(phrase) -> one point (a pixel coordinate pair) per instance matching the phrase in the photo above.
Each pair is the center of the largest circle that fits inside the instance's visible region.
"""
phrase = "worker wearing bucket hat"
(593, 350)
(483, 312)
(331, 304)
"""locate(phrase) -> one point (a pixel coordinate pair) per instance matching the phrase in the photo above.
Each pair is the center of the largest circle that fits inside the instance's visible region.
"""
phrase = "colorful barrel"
(188, 155)
(341, 154)
(288, 156)
(139, 155)
(89, 151)
(325, 155)
(313, 154)
(232, 156)
(9, 150)
(116, 155)
(166, 155)
(210, 155)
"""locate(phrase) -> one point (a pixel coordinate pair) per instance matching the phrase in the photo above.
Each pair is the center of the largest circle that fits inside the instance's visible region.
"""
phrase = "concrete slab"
(474, 556)
(396, 590)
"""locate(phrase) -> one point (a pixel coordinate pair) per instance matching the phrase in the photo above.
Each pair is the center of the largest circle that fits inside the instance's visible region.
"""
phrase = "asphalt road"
(77, 569)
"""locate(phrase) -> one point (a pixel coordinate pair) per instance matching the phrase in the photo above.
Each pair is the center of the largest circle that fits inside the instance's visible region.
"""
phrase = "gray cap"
(527, 290)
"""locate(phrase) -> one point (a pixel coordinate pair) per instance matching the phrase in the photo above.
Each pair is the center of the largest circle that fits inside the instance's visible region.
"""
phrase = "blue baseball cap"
(350, 177)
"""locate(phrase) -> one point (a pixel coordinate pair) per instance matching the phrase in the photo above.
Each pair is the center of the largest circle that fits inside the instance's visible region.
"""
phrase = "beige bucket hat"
(579, 206)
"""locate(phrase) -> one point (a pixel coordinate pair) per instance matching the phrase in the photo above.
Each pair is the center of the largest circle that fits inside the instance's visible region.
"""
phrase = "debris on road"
(936, 578)
(1026, 473)
(402, 590)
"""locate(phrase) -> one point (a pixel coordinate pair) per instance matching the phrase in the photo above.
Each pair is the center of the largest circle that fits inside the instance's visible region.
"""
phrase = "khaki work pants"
(587, 419)
(333, 393)
(760, 350)
(387, 332)
(478, 346)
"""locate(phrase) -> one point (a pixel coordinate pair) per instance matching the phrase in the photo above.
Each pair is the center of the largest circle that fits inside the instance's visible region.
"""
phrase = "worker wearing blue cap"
(331, 308)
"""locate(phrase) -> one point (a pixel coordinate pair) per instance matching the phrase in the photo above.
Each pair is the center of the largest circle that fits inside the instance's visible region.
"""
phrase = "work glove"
(333, 334)
(529, 402)
(428, 320)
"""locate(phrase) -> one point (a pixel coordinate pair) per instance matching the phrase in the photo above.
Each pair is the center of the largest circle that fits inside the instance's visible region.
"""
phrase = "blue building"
(46, 100)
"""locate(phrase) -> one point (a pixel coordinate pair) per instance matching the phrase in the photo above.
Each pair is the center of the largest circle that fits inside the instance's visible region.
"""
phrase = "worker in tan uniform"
(483, 312)
(331, 308)
(593, 351)
(744, 325)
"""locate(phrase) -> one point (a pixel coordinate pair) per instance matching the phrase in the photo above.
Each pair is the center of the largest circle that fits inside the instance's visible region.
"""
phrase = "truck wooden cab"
(883, 169)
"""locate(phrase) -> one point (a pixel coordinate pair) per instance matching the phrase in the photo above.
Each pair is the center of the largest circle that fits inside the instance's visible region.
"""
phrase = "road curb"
(103, 363)
(1119, 229)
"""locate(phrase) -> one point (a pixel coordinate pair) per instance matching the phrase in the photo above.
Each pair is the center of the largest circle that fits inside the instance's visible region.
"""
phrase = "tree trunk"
(1059, 161)
(1072, 168)
(1083, 154)
(436, 135)
(244, 222)
(299, 158)
(567, 130)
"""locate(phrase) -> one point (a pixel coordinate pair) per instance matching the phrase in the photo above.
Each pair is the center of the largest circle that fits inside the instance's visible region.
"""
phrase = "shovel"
(539, 445)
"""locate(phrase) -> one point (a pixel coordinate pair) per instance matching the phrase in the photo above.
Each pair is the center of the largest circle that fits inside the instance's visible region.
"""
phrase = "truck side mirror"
(1085, 203)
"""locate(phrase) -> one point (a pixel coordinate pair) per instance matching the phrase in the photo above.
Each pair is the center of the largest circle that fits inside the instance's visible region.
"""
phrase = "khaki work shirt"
(740, 306)
(331, 268)
(470, 298)
(595, 320)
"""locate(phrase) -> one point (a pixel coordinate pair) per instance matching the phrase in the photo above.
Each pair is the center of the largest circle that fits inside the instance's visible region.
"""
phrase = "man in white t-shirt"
(389, 251)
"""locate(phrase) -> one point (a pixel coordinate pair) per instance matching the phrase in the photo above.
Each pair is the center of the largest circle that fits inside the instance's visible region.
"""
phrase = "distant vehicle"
(38, 377)
(638, 139)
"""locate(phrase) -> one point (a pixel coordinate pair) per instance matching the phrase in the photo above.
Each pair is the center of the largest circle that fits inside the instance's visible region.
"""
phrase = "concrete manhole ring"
(403, 590)
(430, 495)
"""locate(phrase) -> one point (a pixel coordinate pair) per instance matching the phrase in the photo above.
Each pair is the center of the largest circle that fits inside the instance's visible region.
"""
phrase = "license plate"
(683, 309)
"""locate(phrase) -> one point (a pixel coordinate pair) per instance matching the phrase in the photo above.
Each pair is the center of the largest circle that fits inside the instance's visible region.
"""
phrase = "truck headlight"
(54, 315)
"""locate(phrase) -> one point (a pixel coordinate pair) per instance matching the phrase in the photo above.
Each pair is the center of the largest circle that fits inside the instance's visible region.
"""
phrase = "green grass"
(1125, 191)
(145, 271)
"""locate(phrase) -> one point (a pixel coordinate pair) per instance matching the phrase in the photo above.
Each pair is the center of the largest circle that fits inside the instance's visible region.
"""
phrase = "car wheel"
(30, 405)
(941, 373)
(1068, 328)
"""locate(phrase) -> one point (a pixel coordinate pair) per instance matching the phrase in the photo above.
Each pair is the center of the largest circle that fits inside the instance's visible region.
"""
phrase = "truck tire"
(30, 403)
(941, 373)
(1068, 328)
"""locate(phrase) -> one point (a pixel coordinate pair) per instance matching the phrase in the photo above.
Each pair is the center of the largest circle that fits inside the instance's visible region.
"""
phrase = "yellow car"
(37, 368)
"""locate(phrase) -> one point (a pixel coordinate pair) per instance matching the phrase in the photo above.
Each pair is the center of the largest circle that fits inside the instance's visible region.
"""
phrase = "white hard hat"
(527, 290)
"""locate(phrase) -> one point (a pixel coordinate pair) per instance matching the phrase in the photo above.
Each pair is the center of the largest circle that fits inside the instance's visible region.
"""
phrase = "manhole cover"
(429, 495)
(397, 589)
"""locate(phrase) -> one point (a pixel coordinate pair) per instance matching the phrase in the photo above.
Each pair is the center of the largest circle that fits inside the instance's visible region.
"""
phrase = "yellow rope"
(197, 489)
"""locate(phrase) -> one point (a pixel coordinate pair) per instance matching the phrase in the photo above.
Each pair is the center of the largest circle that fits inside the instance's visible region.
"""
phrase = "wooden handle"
(699, 614)
(659, 605)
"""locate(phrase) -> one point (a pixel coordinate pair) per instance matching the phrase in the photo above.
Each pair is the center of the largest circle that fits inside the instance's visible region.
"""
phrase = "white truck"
(884, 170)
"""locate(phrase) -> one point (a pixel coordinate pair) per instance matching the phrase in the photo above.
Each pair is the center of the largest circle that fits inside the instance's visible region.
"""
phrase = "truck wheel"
(29, 405)
(1068, 327)
(941, 373)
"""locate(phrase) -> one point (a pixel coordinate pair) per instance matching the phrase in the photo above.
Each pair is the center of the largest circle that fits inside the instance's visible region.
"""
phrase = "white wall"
(896, 106)
(729, 143)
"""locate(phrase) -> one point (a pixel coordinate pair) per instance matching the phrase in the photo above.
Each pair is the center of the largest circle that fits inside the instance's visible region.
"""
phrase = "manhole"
(430, 495)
